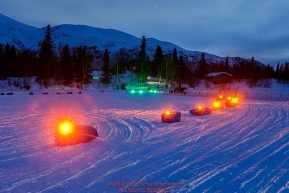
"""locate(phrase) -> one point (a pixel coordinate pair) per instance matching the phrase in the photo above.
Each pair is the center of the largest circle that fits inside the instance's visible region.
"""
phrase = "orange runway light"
(171, 116)
(168, 112)
(229, 98)
(65, 127)
(216, 104)
(69, 134)
(200, 107)
(235, 100)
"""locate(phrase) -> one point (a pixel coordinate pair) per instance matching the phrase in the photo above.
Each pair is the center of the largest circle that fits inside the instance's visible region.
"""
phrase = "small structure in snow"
(200, 111)
(171, 117)
(68, 134)
(219, 77)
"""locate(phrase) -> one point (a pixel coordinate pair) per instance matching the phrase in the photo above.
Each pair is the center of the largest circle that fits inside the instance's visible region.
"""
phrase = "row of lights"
(140, 91)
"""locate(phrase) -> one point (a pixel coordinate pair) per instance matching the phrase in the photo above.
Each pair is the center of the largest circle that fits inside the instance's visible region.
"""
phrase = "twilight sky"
(244, 28)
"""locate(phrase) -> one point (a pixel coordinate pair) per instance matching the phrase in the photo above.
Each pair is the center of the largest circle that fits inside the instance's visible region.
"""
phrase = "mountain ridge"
(25, 36)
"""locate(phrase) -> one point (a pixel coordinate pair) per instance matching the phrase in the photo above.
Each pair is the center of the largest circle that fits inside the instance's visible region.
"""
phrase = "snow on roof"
(217, 74)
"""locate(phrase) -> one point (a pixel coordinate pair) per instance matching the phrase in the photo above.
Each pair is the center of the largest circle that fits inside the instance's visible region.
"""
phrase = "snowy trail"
(242, 149)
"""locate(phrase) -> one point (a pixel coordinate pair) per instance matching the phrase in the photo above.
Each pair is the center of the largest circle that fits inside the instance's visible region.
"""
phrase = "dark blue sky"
(245, 28)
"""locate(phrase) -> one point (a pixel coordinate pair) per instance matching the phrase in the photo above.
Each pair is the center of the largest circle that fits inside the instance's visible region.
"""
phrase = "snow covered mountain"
(15, 33)
(24, 36)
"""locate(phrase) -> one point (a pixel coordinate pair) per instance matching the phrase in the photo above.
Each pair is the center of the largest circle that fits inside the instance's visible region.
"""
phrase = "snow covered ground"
(241, 149)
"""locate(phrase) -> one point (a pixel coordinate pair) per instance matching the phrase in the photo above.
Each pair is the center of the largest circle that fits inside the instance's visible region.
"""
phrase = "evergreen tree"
(252, 65)
(83, 68)
(182, 70)
(9, 54)
(142, 65)
(106, 74)
(202, 68)
(282, 72)
(175, 66)
(13, 59)
(46, 58)
(169, 69)
(79, 63)
(277, 73)
(158, 67)
(27, 60)
(269, 72)
(122, 59)
(286, 71)
(66, 68)
(142, 54)
(227, 65)
(7, 61)
(2, 69)
(242, 72)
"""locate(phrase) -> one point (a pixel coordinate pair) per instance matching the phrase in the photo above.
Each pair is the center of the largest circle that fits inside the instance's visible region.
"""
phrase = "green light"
(151, 91)
(140, 91)
(132, 91)
(155, 91)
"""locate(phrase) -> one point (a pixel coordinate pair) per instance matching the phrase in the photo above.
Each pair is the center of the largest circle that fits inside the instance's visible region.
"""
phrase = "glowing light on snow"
(200, 107)
(229, 98)
(235, 100)
(65, 127)
(216, 104)
(168, 112)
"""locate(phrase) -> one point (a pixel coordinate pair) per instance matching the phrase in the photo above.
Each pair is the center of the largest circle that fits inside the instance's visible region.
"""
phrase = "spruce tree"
(79, 63)
(286, 71)
(83, 68)
(242, 71)
(142, 65)
(277, 72)
(227, 65)
(269, 71)
(169, 70)
(175, 66)
(182, 70)
(27, 60)
(282, 72)
(158, 68)
(202, 68)
(66, 65)
(7, 60)
(46, 57)
(252, 67)
(106, 74)
(1, 62)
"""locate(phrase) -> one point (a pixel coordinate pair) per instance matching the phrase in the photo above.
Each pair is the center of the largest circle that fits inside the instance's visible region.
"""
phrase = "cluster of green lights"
(133, 91)
(154, 91)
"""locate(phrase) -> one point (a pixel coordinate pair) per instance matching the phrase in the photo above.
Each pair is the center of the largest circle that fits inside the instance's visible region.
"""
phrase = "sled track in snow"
(242, 149)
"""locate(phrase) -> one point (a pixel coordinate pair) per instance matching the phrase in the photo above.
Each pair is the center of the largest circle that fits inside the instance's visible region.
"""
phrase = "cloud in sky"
(243, 28)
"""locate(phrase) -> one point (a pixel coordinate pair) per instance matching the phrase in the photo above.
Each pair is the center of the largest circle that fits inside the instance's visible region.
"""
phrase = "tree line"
(73, 65)
(282, 72)
(163, 66)
(49, 68)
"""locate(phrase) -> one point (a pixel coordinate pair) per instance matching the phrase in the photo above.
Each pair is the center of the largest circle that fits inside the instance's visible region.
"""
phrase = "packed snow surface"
(241, 149)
